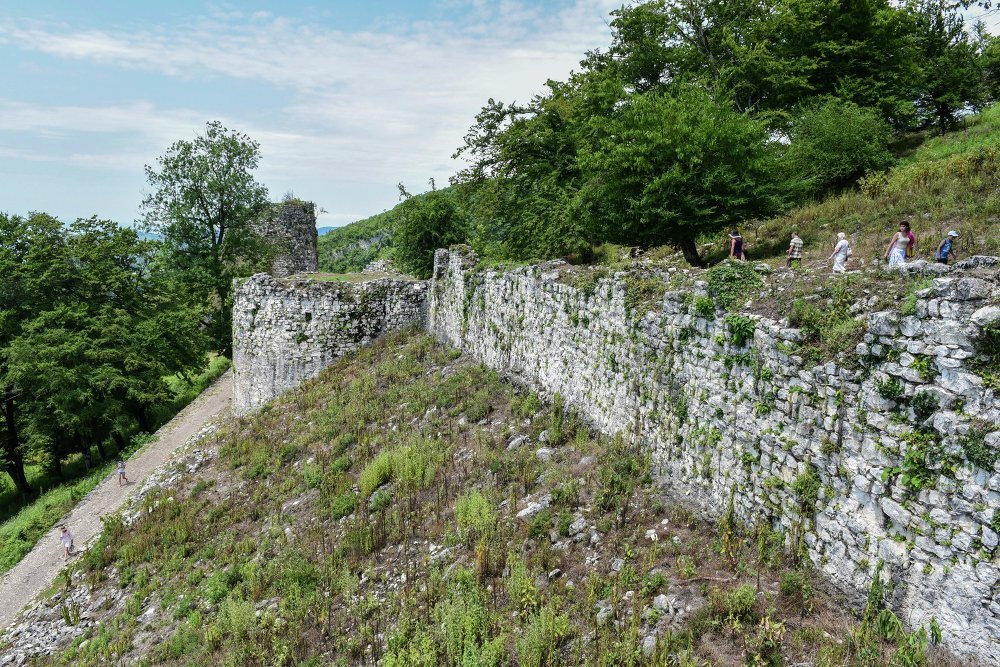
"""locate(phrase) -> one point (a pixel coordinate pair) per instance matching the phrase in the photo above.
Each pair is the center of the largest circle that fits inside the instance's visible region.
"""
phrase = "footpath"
(38, 569)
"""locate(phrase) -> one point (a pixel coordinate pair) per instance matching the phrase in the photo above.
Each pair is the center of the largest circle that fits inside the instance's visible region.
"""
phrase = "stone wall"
(293, 227)
(287, 331)
(821, 453)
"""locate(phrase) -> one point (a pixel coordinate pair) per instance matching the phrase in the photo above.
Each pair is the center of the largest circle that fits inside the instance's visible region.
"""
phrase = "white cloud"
(362, 107)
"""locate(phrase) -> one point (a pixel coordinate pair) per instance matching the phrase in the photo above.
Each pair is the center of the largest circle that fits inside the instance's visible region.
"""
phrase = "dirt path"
(38, 569)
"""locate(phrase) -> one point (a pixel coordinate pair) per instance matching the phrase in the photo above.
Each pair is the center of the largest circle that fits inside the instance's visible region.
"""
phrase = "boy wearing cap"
(944, 248)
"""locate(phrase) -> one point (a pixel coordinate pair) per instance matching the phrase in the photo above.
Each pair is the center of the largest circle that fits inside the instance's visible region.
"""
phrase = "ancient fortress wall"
(287, 331)
(819, 452)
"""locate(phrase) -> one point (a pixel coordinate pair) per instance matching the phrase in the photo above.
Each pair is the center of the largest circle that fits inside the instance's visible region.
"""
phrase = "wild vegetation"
(382, 515)
(703, 116)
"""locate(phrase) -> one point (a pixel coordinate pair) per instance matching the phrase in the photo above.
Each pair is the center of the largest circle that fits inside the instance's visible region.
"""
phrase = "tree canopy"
(205, 203)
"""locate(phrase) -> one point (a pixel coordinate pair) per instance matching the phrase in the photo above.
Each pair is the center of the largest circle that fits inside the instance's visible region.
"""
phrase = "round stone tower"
(292, 226)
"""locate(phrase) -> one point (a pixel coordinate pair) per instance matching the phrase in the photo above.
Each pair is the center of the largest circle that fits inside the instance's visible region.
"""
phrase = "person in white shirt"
(840, 253)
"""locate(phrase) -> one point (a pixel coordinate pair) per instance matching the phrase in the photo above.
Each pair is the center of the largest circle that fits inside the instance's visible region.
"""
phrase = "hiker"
(841, 252)
(736, 246)
(66, 538)
(122, 479)
(901, 245)
(944, 249)
(794, 251)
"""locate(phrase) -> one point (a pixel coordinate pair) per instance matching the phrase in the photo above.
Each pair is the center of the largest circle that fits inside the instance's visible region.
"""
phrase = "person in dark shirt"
(736, 246)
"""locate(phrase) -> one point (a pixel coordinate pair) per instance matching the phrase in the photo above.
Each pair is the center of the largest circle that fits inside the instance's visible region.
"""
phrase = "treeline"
(700, 115)
(92, 319)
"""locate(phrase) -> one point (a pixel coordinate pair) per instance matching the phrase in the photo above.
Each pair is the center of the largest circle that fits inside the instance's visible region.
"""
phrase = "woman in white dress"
(841, 252)
(896, 252)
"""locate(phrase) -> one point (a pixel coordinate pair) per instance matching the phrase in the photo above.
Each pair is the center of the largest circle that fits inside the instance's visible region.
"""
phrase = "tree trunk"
(15, 462)
(690, 251)
(101, 451)
(120, 442)
(138, 411)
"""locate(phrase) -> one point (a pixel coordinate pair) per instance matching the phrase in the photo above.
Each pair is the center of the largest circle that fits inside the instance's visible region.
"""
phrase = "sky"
(346, 98)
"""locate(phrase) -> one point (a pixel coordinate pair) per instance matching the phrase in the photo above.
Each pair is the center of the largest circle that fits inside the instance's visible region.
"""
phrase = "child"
(66, 538)
(122, 479)
(945, 249)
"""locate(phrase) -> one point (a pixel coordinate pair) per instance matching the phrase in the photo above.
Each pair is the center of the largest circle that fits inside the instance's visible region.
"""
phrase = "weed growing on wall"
(731, 283)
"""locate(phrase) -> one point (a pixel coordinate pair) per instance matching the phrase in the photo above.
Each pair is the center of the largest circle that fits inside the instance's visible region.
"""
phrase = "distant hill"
(350, 248)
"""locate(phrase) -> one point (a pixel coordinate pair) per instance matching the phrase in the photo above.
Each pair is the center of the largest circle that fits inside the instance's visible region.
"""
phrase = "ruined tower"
(292, 225)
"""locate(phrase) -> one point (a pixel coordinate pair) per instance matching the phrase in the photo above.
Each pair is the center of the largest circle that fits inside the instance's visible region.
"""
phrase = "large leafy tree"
(34, 272)
(91, 325)
(671, 166)
(952, 76)
(205, 202)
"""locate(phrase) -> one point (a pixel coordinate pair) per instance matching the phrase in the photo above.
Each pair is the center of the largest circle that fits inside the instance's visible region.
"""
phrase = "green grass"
(24, 523)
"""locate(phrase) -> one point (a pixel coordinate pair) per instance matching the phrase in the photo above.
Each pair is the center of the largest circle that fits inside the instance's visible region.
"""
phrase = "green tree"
(425, 223)
(205, 202)
(33, 270)
(672, 166)
(833, 143)
(952, 74)
(91, 326)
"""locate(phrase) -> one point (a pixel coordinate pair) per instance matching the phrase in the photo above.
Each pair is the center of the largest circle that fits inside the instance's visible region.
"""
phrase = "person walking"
(122, 479)
(736, 246)
(901, 241)
(841, 252)
(945, 250)
(794, 251)
(66, 538)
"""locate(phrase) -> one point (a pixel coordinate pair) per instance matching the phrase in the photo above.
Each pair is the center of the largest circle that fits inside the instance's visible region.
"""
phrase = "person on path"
(794, 251)
(736, 246)
(901, 241)
(66, 538)
(122, 479)
(841, 252)
(944, 249)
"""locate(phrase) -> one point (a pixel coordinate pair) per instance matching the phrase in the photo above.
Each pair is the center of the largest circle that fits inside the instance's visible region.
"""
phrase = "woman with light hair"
(840, 253)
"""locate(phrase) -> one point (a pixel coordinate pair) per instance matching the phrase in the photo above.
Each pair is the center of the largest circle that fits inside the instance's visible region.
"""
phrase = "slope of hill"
(950, 182)
(411, 508)
(350, 248)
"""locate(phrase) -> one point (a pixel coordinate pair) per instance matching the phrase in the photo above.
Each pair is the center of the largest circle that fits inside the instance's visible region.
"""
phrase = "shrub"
(833, 143)
(475, 515)
(704, 306)
(890, 389)
(924, 404)
(806, 487)
(731, 283)
(544, 635)
(741, 328)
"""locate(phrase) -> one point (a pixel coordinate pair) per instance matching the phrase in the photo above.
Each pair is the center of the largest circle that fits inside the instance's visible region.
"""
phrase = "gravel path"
(39, 567)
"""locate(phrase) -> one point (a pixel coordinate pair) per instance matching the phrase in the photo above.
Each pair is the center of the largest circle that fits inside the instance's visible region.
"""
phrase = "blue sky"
(346, 98)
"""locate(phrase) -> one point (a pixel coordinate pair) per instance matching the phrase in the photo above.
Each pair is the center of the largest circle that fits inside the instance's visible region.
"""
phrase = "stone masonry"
(819, 452)
(287, 331)
(293, 227)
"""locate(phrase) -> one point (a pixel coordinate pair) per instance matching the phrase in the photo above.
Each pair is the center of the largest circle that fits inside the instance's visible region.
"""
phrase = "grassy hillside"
(383, 515)
(947, 182)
